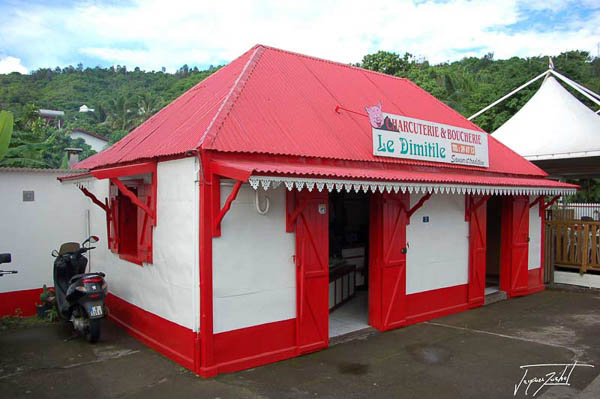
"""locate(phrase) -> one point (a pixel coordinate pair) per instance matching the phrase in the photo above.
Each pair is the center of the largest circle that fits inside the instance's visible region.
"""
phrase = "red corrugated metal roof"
(396, 173)
(270, 101)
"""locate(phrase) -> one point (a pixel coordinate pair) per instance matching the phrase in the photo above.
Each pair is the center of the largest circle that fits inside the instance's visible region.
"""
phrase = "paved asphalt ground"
(474, 354)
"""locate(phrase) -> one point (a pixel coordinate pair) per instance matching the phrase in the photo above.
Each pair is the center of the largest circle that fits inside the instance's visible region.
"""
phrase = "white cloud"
(152, 33)
(11, 64)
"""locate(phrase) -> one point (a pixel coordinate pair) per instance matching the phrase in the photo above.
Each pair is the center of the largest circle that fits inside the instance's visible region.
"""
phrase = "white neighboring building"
(38, 214)
(97, 142)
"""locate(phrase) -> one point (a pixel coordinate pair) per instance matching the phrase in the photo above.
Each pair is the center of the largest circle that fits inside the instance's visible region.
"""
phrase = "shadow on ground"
(473, 354)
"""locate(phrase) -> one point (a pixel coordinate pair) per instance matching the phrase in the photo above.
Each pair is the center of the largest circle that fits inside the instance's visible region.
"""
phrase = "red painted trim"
(75, 176)
(447, 170)
(19, 303)
(290, 206)
(216, 202)
(232, 196)
(94, 199)
(171, 339)
(254, 346)
(535, 201)
(154, 199)
(417, 206)
(231, 171)
(208, 193)
(128, 170)
(552, 201)
(436, 303)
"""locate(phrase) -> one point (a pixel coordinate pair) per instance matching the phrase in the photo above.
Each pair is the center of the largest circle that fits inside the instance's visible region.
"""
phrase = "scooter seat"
(79, 276)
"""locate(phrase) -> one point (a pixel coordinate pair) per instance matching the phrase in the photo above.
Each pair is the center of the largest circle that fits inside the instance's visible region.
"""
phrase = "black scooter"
(79, 296)
(6, 258)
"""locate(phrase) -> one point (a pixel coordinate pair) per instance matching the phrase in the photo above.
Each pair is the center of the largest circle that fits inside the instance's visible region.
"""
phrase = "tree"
(148, 104)
(44, 148)
(389, 63)
(6, 129)
(120, 113)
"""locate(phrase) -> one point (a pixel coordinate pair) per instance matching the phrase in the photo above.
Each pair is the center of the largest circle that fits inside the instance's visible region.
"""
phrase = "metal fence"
(574, 211)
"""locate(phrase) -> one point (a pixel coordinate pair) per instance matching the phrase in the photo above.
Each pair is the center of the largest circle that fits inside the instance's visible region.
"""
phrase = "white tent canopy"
(552, 125)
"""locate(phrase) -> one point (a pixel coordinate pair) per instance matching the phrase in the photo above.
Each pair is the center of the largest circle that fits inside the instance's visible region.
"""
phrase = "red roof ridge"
(230, 99)
(332, 62)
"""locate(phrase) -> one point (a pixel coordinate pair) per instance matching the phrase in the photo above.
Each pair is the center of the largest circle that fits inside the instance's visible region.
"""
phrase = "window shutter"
(145, 223)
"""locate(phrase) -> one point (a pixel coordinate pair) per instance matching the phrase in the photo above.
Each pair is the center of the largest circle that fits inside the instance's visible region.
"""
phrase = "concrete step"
(494, 297)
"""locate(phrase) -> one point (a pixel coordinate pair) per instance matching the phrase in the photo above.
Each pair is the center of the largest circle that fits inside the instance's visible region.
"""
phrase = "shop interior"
(494, 244)
(348, 262)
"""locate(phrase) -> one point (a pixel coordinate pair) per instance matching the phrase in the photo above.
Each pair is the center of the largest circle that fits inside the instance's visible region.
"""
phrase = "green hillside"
(123, 99)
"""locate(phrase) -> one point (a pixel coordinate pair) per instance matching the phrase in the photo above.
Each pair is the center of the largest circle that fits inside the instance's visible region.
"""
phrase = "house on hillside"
(240, 219)
(84, 108)
(52, 117)
(97, 142)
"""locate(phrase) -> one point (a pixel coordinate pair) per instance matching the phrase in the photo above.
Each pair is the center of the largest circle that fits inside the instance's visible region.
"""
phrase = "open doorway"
(494, 245)
(348, 262)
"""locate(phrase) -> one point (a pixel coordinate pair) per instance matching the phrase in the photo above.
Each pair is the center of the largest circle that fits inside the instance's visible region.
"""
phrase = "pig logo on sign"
(375, 115)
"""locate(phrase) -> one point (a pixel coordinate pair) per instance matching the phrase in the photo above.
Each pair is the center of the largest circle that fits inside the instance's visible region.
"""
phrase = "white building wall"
(168, 286)
(254, 278)
(94, 142)
(31, 230)
(438, 251)
(535, 237)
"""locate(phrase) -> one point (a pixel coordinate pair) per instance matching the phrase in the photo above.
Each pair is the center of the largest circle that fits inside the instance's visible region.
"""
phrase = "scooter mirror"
(55, 253)
(5, 258)
(94, 239)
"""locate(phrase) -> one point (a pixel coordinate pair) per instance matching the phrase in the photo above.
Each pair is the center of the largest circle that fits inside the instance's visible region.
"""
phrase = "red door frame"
(389, 215)
(312, 267)
(514, 247)
(476, 215)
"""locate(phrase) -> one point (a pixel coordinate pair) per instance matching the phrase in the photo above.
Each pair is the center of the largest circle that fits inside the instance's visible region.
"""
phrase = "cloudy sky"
(154, 33)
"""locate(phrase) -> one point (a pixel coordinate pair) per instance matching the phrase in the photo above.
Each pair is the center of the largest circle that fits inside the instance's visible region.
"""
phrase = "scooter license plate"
(96, 311)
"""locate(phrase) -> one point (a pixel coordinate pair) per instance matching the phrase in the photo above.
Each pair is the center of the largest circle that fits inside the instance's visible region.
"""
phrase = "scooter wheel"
(93, 332)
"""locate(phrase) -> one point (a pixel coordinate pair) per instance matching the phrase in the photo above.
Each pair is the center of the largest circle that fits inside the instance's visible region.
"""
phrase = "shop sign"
(402, 137)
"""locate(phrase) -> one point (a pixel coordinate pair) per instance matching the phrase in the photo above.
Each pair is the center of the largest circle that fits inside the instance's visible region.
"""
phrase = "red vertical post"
(206, 196)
